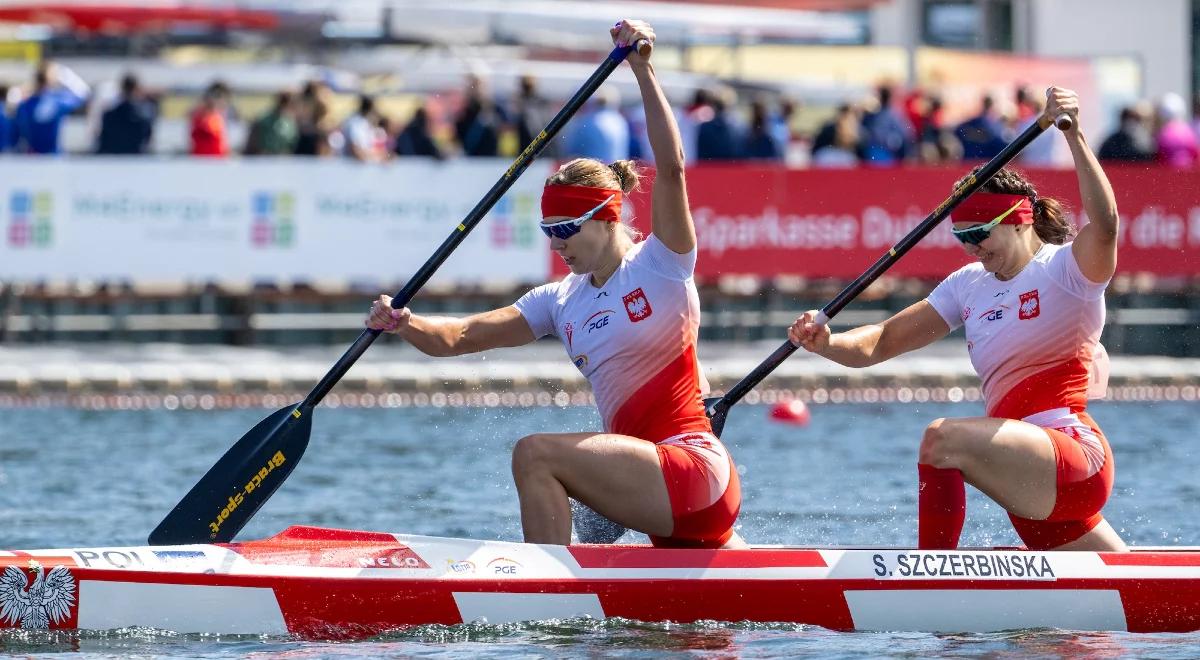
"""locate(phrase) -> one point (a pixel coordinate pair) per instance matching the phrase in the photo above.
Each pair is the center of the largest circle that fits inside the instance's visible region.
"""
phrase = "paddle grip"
(644, 48)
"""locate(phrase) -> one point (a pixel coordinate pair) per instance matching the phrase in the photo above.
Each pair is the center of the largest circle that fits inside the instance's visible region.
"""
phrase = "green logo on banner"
(274, 221)
(514, 220)
(30, 219)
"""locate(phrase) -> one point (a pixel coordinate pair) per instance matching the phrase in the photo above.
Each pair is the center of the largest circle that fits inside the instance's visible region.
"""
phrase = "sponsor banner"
(768, 221)
(262, 219)
(144, 219)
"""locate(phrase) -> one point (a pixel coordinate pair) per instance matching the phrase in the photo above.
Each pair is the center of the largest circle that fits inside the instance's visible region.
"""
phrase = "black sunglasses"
(979, 233)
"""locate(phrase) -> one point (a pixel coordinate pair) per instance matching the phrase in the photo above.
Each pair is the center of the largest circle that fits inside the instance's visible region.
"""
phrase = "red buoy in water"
(791, 412)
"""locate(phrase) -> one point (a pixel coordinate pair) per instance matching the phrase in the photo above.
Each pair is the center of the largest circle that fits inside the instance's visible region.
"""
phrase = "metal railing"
(334, 321)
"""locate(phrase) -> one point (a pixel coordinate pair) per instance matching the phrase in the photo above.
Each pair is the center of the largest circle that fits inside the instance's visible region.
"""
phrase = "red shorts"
(1082, 490)
(706, 495)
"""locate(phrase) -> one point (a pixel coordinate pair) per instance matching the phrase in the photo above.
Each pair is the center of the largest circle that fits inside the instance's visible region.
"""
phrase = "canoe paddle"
(718, 407)
(591, 527)
(230, 493)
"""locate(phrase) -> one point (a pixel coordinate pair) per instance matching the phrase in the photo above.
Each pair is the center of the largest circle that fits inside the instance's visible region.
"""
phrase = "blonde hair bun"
(622, 175)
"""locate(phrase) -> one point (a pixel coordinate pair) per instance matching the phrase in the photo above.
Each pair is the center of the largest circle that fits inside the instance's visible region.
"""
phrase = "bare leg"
(1011, 461)
(616, 475)
(1102, 538)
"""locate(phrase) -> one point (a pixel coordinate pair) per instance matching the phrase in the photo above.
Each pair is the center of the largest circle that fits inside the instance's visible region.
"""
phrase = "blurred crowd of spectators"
(885, 129)
(882, 132)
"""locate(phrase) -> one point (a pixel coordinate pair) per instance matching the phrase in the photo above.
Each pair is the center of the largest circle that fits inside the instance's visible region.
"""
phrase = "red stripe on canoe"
(308, 533)
(647, 557)
(1190, 558)
(23, 559)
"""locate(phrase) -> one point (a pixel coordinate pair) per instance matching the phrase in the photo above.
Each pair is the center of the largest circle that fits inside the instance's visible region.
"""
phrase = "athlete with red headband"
(1033, 308)
(628, 315)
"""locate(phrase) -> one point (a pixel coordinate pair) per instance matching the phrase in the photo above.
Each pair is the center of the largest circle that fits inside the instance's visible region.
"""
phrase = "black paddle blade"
(716, 410)
(221, 504)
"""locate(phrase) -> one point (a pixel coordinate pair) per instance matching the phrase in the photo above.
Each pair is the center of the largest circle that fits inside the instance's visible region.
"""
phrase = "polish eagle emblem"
(46, 600)
(637, 305)
(1031, 306)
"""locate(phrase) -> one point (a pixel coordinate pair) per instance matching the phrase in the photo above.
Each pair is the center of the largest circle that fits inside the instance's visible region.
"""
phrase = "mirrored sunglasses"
(565, 229)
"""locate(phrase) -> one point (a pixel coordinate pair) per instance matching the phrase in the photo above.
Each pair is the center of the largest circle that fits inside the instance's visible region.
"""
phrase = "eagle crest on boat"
(48, 599)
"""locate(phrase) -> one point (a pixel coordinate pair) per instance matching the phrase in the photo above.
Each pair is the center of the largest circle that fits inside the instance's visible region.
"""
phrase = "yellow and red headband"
(574, 201)
(986, 207)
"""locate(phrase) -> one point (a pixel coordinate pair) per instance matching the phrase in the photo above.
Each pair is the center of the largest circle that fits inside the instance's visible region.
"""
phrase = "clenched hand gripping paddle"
(230, 493)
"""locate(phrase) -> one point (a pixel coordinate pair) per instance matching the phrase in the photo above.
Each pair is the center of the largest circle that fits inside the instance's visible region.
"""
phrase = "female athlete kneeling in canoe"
(628, 315)
(1033, 307)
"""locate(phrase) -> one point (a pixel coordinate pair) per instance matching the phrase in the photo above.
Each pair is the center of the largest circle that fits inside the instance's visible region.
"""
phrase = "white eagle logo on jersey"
(637, 306)
(1030, 305)
(47, 600)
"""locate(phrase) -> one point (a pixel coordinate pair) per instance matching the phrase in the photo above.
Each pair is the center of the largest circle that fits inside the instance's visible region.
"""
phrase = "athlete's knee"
(532, 454)
(938, 447)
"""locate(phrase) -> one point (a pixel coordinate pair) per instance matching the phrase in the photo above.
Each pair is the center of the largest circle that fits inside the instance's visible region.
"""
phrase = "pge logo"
(993, 314)
(1031, 306)
(504, 566)
(274, 219)
(29, 219)
(581, 361)
(598, 320)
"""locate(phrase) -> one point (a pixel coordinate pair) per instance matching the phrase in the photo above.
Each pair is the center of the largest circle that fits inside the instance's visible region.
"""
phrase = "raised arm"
(444, 336)
(1095, 247)
(672, 219)
(916, 326)
(70, 81)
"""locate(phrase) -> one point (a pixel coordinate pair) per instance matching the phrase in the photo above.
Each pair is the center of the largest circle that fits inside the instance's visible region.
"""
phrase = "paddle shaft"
(473, 218)
(971, 185)
(229, 494)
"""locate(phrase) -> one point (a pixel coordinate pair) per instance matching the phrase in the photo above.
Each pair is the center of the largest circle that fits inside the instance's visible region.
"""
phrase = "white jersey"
(1034, 340)
(634, 339)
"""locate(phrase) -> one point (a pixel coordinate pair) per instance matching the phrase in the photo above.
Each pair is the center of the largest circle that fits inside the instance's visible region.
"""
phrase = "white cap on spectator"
(1171, 106)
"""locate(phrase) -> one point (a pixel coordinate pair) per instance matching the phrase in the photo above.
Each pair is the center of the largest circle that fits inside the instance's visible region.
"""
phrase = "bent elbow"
(463, 343)
(1108, 228)
(455, 349)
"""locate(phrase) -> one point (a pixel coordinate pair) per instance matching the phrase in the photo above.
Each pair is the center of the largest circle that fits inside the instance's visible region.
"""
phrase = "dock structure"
(394, 375)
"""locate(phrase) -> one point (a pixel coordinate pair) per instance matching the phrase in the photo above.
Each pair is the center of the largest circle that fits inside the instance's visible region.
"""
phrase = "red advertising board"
(767, 221)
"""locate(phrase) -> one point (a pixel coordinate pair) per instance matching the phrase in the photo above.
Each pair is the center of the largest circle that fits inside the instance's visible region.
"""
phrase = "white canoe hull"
(320, 583)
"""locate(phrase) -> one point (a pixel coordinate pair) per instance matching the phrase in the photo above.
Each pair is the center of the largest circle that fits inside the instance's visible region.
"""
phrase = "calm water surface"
(73, 477)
